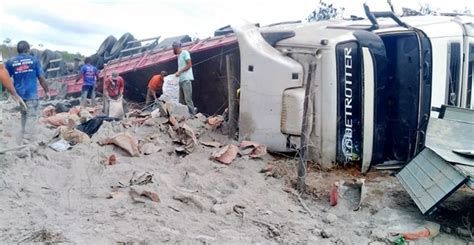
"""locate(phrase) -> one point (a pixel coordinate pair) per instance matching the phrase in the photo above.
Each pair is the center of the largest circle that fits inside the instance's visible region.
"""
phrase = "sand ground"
(49, 196)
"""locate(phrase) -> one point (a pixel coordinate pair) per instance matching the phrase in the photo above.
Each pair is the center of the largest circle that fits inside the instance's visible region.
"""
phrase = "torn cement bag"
(186, 137)
(85, 115)
(116, 108)
(75, 110)
(73, 135)
(149, 148)
(141, 195)
(60, 119)
(215, 122)
(170, 89)
(252, 149)
(227, 154)
(48, 111)
(350, 194)
(125, 141)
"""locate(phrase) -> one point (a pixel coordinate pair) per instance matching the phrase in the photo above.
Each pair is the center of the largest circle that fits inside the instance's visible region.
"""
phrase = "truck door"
(467, 93)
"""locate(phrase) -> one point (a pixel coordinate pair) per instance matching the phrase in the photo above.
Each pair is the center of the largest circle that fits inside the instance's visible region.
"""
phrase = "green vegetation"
(10, 51)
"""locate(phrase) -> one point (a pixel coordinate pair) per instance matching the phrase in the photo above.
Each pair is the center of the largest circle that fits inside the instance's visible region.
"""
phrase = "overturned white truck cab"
(372, 88)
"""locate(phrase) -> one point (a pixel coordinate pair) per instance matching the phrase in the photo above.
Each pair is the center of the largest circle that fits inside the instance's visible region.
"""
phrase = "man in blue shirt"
(185, 74)
(26, 71)
(89, 75)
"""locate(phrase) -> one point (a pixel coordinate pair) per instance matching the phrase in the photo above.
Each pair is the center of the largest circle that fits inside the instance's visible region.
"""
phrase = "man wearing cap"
(89, 74)
(155, 86)
(185, 74)
(26, 71)
(113, 90)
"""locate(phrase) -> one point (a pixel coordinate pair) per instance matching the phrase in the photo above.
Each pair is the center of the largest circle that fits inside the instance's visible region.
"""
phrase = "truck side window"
(454, 63)
(470, 75)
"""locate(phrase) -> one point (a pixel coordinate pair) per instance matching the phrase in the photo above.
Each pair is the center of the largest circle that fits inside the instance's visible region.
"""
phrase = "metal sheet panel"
(429, 179)
(457, 114)
(444, 136)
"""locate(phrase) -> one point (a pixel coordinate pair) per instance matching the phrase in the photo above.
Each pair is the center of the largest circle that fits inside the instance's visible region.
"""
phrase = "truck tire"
(45, 57)
(36, 53)
(118, 46)
(106, 45)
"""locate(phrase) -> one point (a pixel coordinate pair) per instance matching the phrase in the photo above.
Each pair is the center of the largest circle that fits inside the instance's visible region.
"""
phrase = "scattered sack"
(60, 119)
(252, 149)
(185, 136)
(71, 134)
(125, 141)
(75, 110)
(215, 122)
(84, 115)
(227, 154)
(149, 148)
(48, 111)
(170, 89)
(116, 108)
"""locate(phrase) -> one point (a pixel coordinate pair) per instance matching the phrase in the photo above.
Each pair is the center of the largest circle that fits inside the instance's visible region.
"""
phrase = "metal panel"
(429, 179)
(444, 136)
(457, 114)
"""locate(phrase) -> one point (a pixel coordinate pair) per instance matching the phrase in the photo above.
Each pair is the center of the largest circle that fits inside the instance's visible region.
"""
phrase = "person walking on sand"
(113, 90)
(7, 82)
(26, 70)
(89, 75)
(185, 74)
(155, 87)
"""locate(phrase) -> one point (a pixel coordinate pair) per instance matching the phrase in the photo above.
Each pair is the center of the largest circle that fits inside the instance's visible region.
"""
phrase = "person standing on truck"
(155, 87)
(89, 75)
(185, 74)
(26, 70)
(113, 90)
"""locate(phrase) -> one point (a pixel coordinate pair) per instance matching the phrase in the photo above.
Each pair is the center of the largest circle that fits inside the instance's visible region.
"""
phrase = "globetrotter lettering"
(347, 142)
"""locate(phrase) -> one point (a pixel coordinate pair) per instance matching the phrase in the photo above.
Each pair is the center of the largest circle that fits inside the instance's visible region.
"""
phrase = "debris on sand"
(141, 195)
(111, 160)
(189, 198)
(214, 144)
(429, 230)
(125, 141)
(252, 149)
(71, 134)
(60, 145)
(60, 119)
(214, 122)
(48, 111)
(226, 154)
(185, 136)
(43, 236)
(149, 148)
(352, 193)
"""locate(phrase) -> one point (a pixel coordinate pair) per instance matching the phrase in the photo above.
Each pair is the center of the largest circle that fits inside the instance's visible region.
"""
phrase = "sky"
(81, 26)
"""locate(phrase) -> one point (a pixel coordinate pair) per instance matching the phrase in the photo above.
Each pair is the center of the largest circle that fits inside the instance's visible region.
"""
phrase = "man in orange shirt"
(155, 85)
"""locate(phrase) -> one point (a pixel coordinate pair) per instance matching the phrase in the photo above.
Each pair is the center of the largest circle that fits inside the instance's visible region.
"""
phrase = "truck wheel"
(118, 46)
(106, 45)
